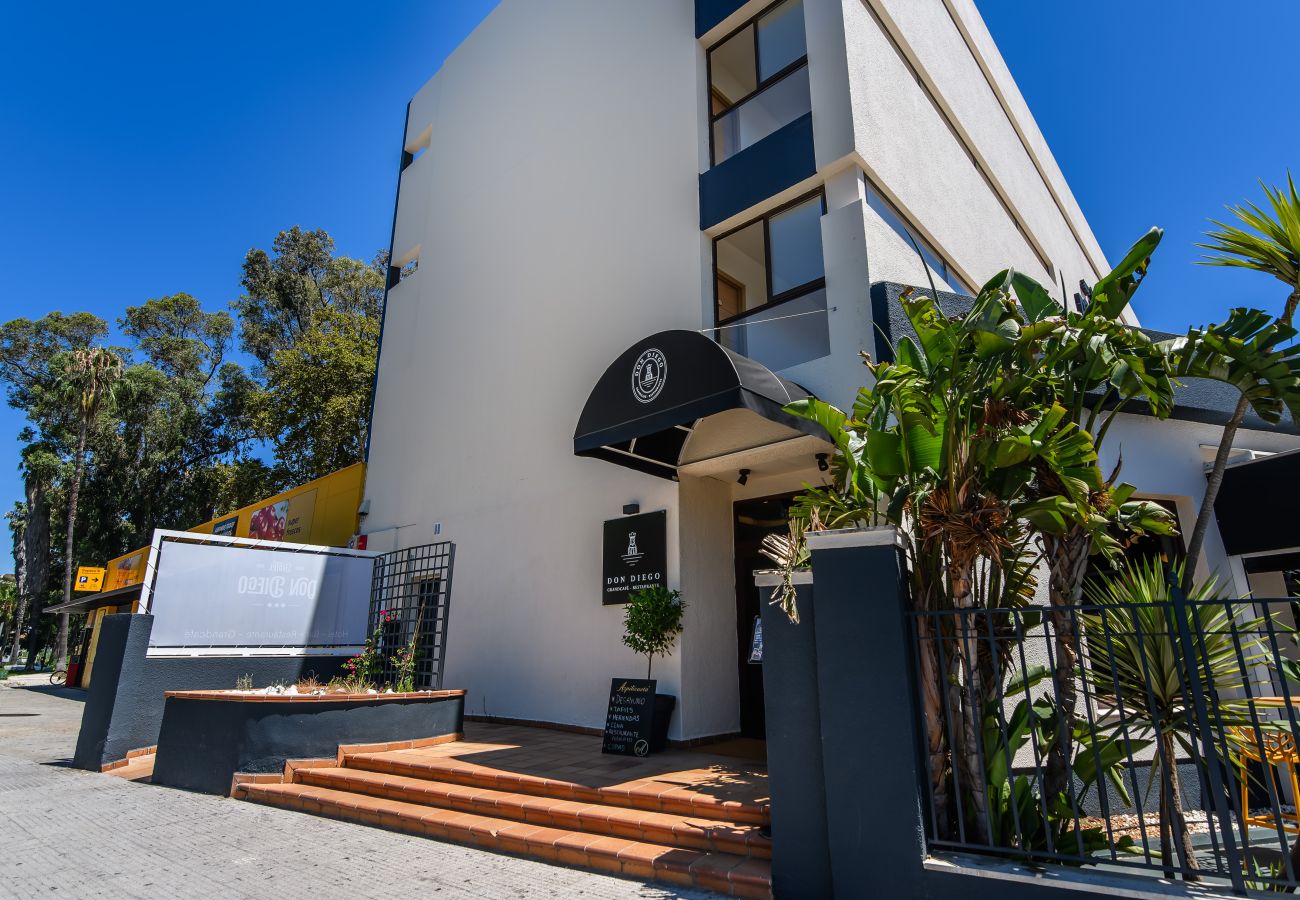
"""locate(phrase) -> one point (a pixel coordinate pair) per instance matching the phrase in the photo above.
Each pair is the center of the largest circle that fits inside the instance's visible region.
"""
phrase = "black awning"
(115, 597)
(644, 409)
(1258, 507)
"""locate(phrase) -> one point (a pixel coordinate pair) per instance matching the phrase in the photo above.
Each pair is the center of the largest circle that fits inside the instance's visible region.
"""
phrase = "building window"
(894, 219)
(770, 286)
(758, 80)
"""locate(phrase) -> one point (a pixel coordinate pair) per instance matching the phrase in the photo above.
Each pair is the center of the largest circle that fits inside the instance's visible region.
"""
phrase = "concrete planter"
(208, 736)
(664, 706)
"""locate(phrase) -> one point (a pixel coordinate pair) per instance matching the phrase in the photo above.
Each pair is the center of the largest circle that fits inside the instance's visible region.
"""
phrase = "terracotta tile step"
(620, 821)
(722, 872)
(644, 794)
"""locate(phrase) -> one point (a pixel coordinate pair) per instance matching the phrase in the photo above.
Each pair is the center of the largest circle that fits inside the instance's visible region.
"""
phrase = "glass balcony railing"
(772, 108)
(782, 335)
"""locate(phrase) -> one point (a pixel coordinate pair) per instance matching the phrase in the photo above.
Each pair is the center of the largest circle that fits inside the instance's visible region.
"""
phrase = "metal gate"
(410, 599)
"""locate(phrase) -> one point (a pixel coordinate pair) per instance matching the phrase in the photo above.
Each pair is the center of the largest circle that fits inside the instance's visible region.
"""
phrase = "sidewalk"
(72, 833)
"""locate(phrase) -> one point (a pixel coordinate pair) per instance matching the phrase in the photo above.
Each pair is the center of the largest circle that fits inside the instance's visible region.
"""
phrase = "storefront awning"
(1258, 504)
(646, 411)
(115, 597)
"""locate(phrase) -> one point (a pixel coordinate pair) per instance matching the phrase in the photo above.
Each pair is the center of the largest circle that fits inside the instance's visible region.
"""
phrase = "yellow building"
(321, 512)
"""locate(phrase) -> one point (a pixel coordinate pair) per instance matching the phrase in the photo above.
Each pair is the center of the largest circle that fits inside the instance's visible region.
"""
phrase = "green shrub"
(652, 620)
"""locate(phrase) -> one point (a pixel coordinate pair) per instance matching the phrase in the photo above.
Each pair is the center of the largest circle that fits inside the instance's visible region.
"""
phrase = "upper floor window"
(758, 79)
(894, 219)
(770, 286)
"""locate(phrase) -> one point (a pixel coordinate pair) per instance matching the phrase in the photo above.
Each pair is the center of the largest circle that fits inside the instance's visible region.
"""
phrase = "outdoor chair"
(1278, 751)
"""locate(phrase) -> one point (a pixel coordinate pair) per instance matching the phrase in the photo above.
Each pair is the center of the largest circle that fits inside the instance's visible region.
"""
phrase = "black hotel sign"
(635, 555)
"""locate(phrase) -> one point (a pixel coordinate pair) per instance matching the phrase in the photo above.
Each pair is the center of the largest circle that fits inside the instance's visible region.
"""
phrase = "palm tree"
(87, 378)
(1270, 243)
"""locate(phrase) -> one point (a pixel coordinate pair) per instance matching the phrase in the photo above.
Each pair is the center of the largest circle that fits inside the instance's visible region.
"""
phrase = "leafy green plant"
(1244, 351)
(1138, 657)
(1270, 242)
(87, 379)
(361, 672)
(404, 662)
(652, 620)
(1249, 352)
(1025, 815)
(977, 442)
(244, 683)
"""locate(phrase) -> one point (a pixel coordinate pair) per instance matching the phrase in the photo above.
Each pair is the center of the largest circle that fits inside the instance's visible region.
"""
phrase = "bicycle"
(59, 677)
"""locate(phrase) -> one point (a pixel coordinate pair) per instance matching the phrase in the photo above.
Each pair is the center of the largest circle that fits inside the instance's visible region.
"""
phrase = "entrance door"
(755, 520)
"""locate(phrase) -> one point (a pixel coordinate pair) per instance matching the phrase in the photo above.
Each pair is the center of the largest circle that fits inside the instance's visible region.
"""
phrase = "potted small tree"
(652, 620)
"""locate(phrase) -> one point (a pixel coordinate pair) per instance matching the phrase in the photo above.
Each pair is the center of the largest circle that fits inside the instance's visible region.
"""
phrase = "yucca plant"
(1138, 659)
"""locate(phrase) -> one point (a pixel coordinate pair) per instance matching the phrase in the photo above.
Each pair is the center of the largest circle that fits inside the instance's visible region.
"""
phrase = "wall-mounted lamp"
(631, 509)
(744, 477)
(823, 464)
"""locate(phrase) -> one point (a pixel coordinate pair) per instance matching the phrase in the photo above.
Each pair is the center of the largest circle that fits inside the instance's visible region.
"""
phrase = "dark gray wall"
(854, 636)
(801, 859)
(124, 706)
(205, 742)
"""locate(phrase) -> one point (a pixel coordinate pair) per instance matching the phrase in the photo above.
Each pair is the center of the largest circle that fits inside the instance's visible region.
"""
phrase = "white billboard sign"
(247, 594)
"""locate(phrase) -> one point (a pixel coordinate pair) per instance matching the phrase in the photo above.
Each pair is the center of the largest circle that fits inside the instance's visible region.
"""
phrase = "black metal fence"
(409, 601)
(1156, 736)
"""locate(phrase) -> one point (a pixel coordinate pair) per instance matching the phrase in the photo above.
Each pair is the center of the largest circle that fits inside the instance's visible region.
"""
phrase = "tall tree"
(17, 518)
(1269, 242)
(32, 547)
(87, 378)
(311, 321)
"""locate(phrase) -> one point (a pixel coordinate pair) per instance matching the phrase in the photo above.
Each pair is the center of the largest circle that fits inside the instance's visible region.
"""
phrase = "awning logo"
(649, 375)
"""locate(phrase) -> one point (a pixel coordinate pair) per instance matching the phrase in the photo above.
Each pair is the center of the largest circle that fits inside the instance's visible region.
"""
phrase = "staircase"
(672, 827)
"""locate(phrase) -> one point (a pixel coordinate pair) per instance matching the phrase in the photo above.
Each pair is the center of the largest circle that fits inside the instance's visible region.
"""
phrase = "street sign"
(90, 578)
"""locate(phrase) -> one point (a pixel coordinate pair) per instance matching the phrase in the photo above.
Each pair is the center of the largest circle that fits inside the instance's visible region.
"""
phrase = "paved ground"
(68, 833)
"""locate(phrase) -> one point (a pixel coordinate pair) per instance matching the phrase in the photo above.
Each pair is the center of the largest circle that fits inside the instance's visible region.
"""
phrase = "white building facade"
(583, 176)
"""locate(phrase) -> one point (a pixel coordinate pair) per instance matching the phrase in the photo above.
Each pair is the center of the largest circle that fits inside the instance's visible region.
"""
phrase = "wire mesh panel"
(1158, 735)
(409, 603)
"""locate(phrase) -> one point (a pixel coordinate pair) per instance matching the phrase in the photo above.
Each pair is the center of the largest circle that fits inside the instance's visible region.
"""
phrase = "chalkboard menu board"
(635, 555)
(629, 722)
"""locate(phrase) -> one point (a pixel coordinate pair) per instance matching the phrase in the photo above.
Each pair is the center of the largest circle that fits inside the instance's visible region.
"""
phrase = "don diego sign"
(635, 555)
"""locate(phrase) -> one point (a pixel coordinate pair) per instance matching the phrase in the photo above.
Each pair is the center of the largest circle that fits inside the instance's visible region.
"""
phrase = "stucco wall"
(562, 226)
(932, 133)
(1164, 460)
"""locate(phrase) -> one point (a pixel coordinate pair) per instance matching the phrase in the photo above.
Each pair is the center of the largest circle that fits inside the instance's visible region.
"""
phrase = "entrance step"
(727, 873)
(137, 767)
(656, 827)
(654, 794)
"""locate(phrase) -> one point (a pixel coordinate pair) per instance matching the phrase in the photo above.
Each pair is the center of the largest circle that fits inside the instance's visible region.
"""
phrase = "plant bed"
(208, 736)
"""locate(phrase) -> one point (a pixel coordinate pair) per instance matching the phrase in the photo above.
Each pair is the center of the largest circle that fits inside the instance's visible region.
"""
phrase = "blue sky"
(146, 147)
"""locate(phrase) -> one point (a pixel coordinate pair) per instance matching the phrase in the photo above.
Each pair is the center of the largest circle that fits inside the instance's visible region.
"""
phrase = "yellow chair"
(1278, 750)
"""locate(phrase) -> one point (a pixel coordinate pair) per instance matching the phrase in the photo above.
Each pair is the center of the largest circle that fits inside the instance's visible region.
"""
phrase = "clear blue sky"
(146, 147)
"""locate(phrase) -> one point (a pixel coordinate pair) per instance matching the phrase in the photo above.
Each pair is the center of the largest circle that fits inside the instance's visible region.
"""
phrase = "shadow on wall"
(124, 706)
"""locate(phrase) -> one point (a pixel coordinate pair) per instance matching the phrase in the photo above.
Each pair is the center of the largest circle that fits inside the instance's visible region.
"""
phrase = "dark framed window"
(758, 79)
(896, 221)
(770, 286)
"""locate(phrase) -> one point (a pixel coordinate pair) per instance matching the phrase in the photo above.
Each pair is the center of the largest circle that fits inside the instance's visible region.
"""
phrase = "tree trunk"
(36, 553)
(1212, 484)
(20, 582)
(1177, 822)
(1067, 564)
(936, 744)
(74, 493)
(972, 725)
